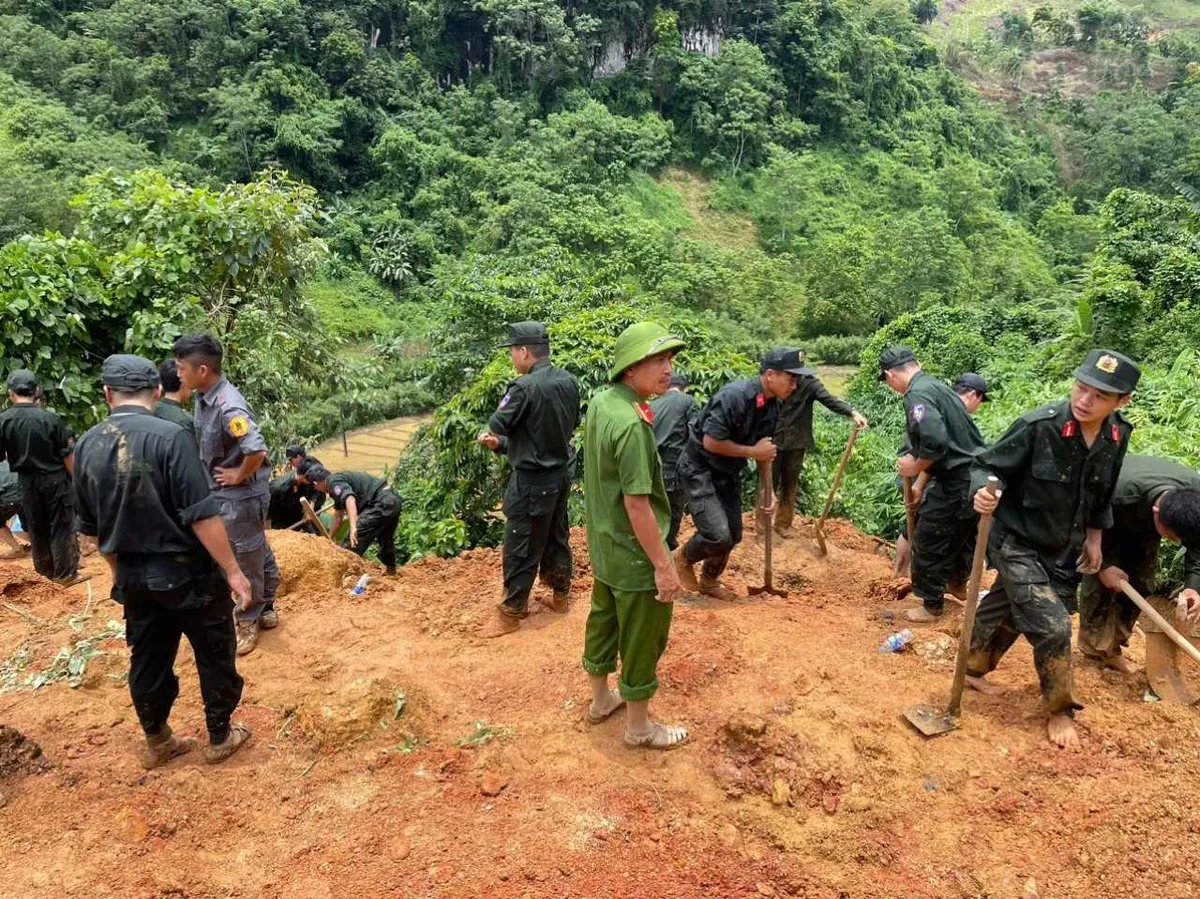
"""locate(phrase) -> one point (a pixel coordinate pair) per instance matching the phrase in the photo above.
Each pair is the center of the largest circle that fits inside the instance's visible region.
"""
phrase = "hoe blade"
(930, 721)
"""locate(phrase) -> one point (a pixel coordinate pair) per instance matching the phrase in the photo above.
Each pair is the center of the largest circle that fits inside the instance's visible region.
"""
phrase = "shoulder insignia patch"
(1068, 428)
(1116, 433)
(1107, 364)
(337, 489)
(239, 426)
(507, 397)
(644, 412)
(918, 413)
(760, 401)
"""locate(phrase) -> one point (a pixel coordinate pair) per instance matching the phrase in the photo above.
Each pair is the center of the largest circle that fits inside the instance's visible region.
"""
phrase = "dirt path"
(372, 448)
(800, 779)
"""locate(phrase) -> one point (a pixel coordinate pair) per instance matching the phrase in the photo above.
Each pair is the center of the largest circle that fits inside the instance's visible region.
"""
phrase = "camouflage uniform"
(1055, 488)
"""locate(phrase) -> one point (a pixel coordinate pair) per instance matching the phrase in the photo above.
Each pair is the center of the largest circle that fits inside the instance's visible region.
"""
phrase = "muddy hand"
(241, 589)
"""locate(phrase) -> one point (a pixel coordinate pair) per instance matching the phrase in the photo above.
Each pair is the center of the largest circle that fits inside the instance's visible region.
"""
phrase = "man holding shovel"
(942, 442)
(1155, 498)
(1058, 468)
(736, 425)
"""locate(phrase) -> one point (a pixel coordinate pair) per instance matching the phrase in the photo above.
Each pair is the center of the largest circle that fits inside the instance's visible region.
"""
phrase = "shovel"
(1162, 664)
(833, 489)
(312, 518)
(931, 721)
(766, 502)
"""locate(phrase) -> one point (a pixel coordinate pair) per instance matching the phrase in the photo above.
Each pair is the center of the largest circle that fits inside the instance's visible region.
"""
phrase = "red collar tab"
(1068, 429)
(760, 401)
(1116, 433)
(645, 413)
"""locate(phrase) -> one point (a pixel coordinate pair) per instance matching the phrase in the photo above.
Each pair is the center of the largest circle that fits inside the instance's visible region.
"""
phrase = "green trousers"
(632, 626)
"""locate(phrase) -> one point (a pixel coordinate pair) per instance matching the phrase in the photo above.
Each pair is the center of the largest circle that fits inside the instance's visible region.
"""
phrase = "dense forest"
(357, 195)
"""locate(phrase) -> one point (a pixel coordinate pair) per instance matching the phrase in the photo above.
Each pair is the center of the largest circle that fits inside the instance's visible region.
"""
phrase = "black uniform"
(535, 422)
(673, 413)
(1106, 619)
(172, 410)
(36, 441)
(939, 428)
(1055, 487)
(742, 413)
(10, 495)
(378, 511)
(140, 486)
(794, 438)
(284, 509)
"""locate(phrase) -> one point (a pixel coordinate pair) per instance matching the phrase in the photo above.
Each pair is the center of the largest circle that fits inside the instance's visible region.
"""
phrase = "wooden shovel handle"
(968, 622)
(837, 477)
(1152, 613)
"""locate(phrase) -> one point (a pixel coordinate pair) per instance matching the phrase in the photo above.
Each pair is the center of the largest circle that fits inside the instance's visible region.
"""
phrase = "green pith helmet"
(640, 341)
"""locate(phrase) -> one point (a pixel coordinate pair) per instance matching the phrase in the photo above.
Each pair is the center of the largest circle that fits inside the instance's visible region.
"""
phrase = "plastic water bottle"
(896, 642)
(361, 587)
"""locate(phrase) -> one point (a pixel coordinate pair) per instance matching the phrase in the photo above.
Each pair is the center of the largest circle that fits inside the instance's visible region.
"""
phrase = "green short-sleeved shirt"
(620, 459)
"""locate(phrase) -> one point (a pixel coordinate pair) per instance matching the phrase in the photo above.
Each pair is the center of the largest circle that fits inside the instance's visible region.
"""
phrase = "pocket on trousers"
(1020, 566)
(540, 500)
(243, 525)
(517, 537)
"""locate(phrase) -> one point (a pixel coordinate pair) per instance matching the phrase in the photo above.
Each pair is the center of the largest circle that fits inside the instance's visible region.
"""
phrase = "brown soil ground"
(398, 754)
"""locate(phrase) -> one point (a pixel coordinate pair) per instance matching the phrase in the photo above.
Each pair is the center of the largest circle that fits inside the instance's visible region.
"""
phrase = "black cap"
(971, 381)
(526, 334)
(126, 372)
(1110, 371)
(678, 380)
(316, 473)
(785, 358)
(894, 357)
(293, 451)
(22, 382)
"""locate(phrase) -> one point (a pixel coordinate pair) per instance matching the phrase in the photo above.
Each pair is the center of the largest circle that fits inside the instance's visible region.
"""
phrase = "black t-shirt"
(740, 412)
(536, 419)
(33, 439)
(139, 486)
(363, 487)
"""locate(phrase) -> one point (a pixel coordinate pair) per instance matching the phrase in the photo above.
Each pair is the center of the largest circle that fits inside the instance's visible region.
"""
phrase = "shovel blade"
(930, 721)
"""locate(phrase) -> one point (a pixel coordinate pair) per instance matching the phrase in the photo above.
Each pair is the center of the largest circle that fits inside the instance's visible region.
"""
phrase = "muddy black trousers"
(48, 514)
(155, 621)
(537, 537)
(377, 523)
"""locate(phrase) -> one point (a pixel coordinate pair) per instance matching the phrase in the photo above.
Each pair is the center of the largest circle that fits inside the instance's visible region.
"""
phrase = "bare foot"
(920, 615)
(659, 736)
(598, 713)
(978, 683)
(1062, 732)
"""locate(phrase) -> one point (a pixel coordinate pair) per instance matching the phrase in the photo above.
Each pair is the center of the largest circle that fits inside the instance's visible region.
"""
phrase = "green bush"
(838, 349)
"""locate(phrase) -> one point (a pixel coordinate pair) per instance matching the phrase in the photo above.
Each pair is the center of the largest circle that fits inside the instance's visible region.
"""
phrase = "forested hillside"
(356, 196)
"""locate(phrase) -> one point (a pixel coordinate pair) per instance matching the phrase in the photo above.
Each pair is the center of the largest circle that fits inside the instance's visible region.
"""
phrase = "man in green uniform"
(673, 413)
(1155, 498)
(39, 449)
(533, 426)
(174, 397)
(296, 456)
(1058, 468)
(373, 507)
(736, 425)
(794, 438)
(628, 514)
(941, 442)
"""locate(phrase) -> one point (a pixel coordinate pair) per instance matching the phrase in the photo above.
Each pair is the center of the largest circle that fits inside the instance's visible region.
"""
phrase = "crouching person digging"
(140, 489)
(628, 516)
